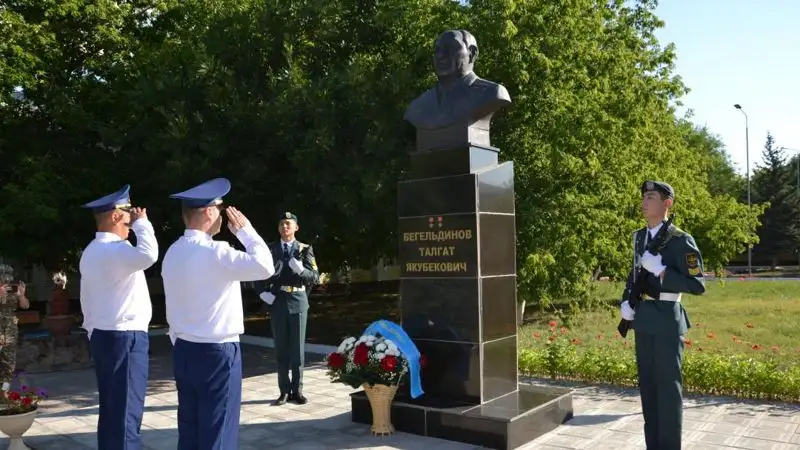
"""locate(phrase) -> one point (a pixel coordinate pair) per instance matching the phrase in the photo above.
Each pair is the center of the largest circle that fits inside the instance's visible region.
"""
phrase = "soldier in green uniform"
(287, 294)
(660, 321)
(11, 298)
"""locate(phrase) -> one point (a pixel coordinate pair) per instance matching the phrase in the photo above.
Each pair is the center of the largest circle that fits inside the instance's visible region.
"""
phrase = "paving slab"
(605, 418)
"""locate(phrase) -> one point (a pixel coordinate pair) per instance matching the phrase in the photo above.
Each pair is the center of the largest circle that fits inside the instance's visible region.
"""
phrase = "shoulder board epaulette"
(676, 232)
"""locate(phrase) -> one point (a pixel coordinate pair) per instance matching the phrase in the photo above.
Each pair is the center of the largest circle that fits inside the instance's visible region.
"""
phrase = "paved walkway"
(603, 418)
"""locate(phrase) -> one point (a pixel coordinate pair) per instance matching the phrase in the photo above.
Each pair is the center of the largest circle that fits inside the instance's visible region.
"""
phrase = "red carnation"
(13, 396)
(336, 360)
(361, 354)
(27, 401)
(389, 363)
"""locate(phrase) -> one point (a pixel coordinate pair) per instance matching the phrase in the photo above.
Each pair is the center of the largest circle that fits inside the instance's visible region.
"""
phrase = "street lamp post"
(747, 156)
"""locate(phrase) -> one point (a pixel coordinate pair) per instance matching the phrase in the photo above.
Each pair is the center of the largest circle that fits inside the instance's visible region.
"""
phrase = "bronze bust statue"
(459, 109)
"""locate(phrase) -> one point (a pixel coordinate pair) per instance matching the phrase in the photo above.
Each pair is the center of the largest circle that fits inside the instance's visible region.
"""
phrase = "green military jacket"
(285, 282)
(683, 275)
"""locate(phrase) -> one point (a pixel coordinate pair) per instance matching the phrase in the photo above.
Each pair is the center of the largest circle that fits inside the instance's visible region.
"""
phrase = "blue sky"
(739, 51)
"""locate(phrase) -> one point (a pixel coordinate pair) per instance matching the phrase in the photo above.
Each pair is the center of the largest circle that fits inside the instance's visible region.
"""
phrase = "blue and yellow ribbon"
(396, 334)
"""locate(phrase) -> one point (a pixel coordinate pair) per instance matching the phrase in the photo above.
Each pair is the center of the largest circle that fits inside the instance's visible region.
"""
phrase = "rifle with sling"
(639, 288)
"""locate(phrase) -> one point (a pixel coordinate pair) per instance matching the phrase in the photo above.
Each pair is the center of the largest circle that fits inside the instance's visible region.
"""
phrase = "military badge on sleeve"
(692, 264)
(314, 263)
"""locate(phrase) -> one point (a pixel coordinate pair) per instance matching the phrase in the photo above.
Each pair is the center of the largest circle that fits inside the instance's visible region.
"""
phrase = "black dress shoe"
(298, 399)
(281, 400)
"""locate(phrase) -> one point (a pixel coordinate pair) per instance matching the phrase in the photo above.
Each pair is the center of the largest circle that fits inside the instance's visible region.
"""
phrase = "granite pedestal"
(458, 304)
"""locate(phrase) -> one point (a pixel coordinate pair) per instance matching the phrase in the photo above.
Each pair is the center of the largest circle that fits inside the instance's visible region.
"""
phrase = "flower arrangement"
(22, 400)
(369, 360)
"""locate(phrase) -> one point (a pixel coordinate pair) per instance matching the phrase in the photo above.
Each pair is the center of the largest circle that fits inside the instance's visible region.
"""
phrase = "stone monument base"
(504, 423)
(39, 351)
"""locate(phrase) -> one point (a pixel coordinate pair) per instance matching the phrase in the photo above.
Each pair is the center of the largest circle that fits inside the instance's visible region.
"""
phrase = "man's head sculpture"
(459, 109)
(454, 54)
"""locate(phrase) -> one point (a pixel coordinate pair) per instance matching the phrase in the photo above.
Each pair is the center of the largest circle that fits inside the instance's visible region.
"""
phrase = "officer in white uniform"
(116, 307)
(204, 311)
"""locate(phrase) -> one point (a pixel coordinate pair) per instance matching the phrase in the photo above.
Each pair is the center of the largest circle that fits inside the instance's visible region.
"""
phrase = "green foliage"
(612, 361)
(776, 183)
(742, 342)
(722, 176)
(300, 104)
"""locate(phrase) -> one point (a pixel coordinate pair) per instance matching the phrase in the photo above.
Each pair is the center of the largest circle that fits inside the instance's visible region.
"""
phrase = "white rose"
(378, 356)
(380, 346)
(393, 352)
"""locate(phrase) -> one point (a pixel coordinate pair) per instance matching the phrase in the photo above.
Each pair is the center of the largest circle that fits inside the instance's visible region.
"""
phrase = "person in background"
(116, 307)
(287, 294)
(202, 284)
(12, 296)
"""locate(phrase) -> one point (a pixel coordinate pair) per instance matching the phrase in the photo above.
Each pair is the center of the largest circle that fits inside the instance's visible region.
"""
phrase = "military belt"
(666, 297)
(293, 288)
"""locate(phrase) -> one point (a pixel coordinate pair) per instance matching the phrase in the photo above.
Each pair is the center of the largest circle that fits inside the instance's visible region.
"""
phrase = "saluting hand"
(236, 220)
(138, 213)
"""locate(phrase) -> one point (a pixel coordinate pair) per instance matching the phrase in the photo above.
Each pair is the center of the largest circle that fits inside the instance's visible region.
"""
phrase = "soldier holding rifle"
(659, 320)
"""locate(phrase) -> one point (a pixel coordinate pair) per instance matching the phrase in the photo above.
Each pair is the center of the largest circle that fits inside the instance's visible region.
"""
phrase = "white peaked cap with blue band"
(119, 199)
(206, 194)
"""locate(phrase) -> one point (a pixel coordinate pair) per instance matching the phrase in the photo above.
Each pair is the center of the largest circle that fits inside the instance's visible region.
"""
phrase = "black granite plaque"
(428, 309)
(498, 307)
(497, 244)
(439, 246)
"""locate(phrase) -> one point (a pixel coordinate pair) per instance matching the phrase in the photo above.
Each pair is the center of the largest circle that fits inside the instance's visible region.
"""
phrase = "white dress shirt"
(202, 284)
(114, 293)
(653, 231)
(284, 244)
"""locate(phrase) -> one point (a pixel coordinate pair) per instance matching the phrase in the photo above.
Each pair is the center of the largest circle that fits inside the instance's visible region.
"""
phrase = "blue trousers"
(121, 363)
(209, 382)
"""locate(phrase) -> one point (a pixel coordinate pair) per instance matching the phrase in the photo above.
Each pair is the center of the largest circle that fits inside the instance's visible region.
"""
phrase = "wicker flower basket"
(380, 401)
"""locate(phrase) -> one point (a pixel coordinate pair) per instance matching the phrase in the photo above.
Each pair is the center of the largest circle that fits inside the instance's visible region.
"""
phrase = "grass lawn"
(758, 318)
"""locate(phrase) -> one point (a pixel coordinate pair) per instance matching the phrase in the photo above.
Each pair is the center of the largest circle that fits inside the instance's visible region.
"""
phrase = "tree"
(774, 182)
(722, 176)
(300, 104)
(68, 57)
